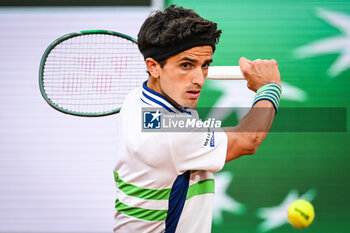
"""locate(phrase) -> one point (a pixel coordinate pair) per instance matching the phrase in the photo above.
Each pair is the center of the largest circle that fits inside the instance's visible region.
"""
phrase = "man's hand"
(259, 72)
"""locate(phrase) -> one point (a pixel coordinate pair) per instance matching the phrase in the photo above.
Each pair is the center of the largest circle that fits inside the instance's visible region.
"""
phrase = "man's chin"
(191, 105)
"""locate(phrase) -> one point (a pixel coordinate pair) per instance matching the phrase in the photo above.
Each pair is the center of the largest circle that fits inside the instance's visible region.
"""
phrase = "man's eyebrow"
(208, 61)
(195, 61)
(188, 59)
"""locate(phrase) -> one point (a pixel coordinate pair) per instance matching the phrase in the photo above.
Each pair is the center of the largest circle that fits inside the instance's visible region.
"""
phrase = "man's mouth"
(193, 93)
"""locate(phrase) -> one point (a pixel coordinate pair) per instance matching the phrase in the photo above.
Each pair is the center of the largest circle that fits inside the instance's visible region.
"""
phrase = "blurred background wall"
(56, 170)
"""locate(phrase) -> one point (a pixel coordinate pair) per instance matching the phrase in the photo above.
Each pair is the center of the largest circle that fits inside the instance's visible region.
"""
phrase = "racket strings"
(93, 73)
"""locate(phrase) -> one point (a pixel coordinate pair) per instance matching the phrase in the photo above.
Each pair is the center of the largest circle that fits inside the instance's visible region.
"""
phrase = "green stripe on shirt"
(143, 193)
(202, 187)
(140, 213)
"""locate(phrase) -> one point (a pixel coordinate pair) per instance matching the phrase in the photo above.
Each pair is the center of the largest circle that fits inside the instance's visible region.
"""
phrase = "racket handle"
(225, 73)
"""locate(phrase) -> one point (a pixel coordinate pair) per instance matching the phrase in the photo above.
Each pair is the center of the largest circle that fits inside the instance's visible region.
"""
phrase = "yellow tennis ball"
(301, 213)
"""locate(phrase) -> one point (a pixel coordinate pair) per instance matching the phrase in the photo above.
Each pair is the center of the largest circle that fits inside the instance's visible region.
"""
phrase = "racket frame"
(46, 54)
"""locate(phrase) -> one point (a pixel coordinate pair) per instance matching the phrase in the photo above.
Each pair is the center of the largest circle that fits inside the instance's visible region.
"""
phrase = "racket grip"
(225, 73)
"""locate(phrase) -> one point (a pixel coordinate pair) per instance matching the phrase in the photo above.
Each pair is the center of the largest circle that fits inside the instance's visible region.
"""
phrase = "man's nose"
(199, 76)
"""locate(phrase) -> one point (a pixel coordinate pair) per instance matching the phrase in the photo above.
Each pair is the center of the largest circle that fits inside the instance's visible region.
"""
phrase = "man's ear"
(153, 67)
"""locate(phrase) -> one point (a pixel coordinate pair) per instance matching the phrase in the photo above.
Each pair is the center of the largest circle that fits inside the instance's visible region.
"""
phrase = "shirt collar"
(152, 97)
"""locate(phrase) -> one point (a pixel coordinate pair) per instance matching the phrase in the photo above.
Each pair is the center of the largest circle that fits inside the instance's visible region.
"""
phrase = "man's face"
(182, 77)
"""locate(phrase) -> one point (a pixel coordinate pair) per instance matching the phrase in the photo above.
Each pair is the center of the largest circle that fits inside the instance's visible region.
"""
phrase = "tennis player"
(165, 180)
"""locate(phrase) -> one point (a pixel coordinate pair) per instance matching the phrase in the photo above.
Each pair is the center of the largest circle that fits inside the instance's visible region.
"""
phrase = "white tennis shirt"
(164, 180)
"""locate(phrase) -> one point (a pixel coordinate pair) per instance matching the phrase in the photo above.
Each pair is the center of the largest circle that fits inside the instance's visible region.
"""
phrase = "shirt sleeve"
(199, 150)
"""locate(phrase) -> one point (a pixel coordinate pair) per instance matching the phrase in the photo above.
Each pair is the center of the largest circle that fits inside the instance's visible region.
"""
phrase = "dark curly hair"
(174, 26)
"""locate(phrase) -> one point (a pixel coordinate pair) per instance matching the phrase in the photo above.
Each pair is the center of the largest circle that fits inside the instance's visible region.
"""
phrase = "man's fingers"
(244, 64)
(243, 61)
(274, 62)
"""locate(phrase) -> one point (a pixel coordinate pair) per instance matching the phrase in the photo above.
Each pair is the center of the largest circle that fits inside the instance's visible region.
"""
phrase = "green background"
(286, 160)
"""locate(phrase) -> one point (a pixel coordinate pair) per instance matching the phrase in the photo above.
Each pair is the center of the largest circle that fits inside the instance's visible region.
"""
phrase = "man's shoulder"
(132, 99)
(132, 95)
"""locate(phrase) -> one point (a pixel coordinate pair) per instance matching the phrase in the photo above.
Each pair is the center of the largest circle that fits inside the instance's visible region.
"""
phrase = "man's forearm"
(245, 138)
(263, 78)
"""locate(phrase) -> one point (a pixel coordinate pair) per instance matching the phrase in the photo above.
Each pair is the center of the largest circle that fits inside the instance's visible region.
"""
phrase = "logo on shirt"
(212, 142)
(209, 140)
(152, 119)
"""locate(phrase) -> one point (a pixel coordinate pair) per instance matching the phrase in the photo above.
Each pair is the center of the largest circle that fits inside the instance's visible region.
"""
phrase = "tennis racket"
(89, 73)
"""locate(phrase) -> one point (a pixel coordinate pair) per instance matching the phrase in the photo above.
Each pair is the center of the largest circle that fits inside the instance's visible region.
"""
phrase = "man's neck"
(154, 84)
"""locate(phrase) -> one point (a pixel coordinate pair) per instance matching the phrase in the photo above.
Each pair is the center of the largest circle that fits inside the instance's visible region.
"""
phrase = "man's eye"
(205, 66)
(185, 65)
